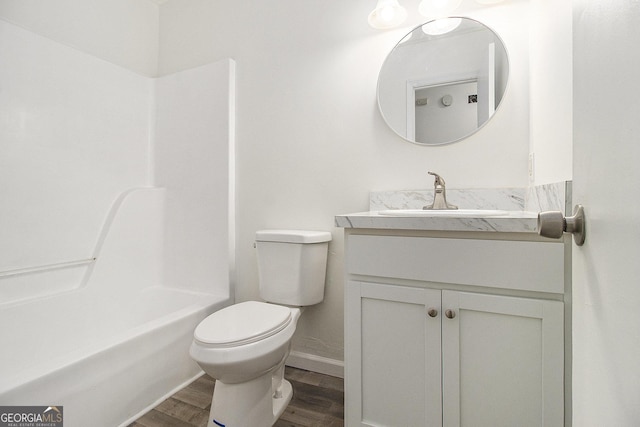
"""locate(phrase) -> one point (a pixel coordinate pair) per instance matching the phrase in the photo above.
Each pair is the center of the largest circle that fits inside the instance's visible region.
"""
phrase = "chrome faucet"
(439, 195)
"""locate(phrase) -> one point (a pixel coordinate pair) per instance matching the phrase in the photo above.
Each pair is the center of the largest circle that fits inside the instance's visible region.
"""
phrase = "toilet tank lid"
(293, 236)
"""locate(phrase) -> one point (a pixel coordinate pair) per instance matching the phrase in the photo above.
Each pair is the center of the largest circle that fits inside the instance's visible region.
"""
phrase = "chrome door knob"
(553, 224)
(432, 312)
(450, 314)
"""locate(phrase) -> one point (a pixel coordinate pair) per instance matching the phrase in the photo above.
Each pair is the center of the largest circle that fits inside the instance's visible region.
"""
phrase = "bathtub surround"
(194, 161)
(74, 135)
(135, 175)
(77, 132)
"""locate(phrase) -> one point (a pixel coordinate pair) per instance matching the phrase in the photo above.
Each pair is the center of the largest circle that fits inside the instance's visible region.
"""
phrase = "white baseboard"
(311, 362)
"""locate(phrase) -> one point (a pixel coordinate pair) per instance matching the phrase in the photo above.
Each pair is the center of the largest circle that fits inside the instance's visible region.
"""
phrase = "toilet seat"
(242, 324)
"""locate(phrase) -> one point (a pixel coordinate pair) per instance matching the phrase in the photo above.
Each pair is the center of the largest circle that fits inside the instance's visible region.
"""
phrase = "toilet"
(244, 346)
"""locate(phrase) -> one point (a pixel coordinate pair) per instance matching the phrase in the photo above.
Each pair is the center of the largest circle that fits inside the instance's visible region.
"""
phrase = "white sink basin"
(456, 213)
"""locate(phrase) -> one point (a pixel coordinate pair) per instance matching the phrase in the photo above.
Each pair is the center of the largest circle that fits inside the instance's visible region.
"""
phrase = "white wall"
(310, 141)
(124, 32)
(551, 91)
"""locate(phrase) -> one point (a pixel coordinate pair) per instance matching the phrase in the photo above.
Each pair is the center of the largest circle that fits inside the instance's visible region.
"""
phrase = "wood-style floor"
(318, 401)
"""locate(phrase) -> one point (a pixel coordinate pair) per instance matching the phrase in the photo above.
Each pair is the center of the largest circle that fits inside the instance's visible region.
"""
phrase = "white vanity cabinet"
(443, 331)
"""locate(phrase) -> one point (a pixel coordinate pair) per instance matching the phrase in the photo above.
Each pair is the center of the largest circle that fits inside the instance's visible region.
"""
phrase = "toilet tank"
(292, 265)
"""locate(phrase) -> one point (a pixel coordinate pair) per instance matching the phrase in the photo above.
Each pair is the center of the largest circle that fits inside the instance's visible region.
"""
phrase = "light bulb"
(387, 14)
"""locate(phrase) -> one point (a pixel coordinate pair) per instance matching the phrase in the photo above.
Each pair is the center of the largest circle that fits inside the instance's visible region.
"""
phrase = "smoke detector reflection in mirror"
(447, 100)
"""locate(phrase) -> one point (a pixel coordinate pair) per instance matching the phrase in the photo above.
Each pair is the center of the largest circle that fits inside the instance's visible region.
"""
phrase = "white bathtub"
(105, 358)
(115, 343)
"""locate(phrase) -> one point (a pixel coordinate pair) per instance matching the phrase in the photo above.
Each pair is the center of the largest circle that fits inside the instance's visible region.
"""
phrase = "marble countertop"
(514, 222)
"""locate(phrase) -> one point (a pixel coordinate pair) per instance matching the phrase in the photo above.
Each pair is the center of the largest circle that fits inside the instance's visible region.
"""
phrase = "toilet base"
(249, 404)
(281, 403)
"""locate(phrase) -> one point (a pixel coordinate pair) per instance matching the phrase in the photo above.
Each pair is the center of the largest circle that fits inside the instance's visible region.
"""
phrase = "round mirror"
(443, 81)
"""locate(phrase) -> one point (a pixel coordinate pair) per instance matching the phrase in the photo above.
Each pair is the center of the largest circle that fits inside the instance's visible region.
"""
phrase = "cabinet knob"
(432, 312)
(450, 314)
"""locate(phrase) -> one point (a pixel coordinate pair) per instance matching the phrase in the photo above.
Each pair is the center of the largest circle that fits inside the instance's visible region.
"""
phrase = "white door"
(606, 270)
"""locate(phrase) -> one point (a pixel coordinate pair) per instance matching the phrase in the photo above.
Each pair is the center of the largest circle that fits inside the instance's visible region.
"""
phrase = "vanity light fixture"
(438, 8)
(387, 14)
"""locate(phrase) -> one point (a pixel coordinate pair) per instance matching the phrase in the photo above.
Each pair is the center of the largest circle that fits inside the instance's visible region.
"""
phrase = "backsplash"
(555, 196)
(550, 197)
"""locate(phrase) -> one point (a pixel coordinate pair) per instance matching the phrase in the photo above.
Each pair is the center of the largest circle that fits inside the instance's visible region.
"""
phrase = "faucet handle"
(439, 181)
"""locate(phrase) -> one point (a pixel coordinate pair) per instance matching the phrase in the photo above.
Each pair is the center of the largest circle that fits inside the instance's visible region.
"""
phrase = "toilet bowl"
(244, 346)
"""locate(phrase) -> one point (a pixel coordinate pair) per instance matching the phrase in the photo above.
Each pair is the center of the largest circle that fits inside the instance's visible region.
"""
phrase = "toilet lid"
(242, 323)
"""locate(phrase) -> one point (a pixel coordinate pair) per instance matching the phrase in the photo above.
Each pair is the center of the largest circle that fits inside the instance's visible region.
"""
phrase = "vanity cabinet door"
(502, 361)
(396, 336)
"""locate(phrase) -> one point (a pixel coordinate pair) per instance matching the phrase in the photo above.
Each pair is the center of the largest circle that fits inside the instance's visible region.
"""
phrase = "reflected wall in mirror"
(443, 81)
